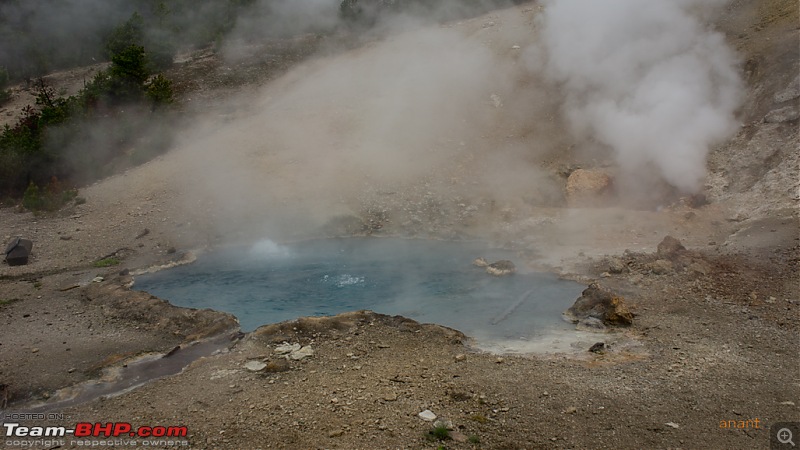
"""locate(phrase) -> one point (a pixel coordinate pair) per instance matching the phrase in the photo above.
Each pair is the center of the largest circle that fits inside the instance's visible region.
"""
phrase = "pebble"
(461, 357)
(427, 415)
(672, 424)
(570, 410)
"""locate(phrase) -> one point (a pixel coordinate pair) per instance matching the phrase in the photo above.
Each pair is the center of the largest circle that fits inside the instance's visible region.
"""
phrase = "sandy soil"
(712, 341)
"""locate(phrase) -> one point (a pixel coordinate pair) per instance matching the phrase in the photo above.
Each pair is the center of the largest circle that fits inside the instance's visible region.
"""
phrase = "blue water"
(428, 281)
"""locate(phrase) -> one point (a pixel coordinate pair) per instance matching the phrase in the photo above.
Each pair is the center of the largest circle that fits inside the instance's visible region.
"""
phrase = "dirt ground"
(714, 339)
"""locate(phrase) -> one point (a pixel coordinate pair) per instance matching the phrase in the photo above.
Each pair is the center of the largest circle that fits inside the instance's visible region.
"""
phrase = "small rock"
(670, 247)
(499, 360)
(286, 348)
(672, 424)
(279, 365)
(501, 268)
(570, 410)
(427, 415)
(255, 366)
(97, 280)
(34, 350)
(700, 268)
(336, 433)
(660, 267)
(65, 238)
(515, 47)
(480, 262)
(787, 403)
(304, 352)
(390, 397)
(458, 436)
(598, 347)
(615, 265)
(460, 357)
(143, 233)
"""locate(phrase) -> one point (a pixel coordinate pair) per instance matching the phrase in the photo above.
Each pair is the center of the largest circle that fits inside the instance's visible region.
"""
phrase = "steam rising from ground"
(462, 117)
(650, 81)
(398, 113)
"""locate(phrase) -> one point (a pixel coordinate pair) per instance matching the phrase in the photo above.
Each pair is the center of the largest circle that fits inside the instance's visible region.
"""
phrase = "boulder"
(586, 186)
(599, 303)
(18, 251)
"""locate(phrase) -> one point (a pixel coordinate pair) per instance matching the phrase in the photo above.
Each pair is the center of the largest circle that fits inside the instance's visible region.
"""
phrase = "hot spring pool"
(428, 281)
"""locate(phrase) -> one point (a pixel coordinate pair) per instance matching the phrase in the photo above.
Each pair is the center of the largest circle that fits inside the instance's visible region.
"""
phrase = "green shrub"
(32, 199)
(159, 91)
(52, 198)
(106, 262)
(127, 75)
(439, 433)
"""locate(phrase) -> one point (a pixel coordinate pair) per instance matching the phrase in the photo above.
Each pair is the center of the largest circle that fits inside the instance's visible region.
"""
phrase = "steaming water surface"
(428, 281)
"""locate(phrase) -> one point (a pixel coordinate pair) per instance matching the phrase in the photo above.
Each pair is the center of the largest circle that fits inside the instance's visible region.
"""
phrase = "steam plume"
(648, 80)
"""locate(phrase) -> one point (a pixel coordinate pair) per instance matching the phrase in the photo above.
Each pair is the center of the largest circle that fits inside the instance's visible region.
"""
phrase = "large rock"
(598, 303)
(586, 186)
(18, 251)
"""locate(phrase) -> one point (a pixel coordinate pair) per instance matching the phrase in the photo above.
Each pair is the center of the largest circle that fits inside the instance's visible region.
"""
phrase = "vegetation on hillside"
(71, 140)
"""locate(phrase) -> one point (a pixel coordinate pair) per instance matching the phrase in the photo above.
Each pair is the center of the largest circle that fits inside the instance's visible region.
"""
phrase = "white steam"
(647, 79)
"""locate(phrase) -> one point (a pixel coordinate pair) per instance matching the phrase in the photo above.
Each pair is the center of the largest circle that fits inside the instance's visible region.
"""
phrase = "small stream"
(118, 380)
